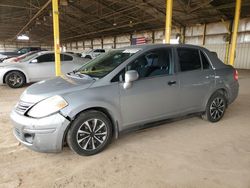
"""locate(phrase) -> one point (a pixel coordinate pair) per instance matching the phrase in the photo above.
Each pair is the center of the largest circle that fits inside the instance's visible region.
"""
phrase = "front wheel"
(216, 108)
(89, 133)
(15, 79)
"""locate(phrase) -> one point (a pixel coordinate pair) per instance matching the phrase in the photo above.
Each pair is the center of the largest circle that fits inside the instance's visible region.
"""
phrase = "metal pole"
(169, 7)
(235, 30)
(56, 37)
(204, 35)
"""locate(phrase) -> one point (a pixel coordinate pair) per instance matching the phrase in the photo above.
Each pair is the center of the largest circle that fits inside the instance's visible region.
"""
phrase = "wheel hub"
(91, 134)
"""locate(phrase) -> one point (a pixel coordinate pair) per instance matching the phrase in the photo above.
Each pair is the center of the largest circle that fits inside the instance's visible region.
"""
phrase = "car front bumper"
(43, 134)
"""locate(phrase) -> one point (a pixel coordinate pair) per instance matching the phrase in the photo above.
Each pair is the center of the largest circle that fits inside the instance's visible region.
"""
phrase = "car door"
(42, 69)
(154, 95)
(196, 78)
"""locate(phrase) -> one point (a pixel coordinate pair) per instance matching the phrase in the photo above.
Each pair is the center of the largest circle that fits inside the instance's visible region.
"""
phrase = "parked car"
(19, 58)
(123, 90)
(20, 51)
(92, 54)
(36, 67)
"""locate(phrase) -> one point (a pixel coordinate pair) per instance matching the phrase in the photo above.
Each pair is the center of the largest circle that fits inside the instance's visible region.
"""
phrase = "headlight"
(47, 107)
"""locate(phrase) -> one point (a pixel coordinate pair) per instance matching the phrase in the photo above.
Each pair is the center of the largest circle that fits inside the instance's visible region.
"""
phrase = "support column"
(183, 35)
(92, 45)
(102, 42)
(168, 23)
(204, 34)
(56, 37)
(114, 42)
(235, 30)
(153, 37)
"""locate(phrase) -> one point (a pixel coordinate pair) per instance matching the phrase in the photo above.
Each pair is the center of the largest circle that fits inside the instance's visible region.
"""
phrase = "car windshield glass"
(107, 62)
(29, 57)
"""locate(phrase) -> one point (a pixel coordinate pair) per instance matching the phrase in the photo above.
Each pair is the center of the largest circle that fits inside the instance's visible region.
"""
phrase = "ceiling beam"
(201, 5)
(108, 29)
(113, 10)
(33, 18)
(15, 6)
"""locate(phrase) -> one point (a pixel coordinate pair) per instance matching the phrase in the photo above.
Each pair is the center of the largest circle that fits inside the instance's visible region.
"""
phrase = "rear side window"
(34, 49)
(100, 51)
(46, 58)
(189, 59)
(204, 60)
(66, 57)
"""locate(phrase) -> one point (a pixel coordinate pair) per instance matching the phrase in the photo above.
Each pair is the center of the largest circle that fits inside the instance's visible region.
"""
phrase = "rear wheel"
(15, 79)
(216, 108)
(89, 133)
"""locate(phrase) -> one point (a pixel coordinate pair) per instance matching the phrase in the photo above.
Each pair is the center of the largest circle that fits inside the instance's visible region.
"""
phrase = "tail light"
(236, 75)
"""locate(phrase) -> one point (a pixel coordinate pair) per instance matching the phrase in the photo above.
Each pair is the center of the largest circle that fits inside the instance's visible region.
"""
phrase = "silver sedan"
(121, 90)
(36, 67)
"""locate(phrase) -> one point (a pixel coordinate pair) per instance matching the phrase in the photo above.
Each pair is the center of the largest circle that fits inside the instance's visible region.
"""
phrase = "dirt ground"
(189, 153)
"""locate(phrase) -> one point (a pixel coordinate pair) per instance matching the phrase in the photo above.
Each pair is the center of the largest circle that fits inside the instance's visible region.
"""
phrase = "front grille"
(22, 107)
(18, 132)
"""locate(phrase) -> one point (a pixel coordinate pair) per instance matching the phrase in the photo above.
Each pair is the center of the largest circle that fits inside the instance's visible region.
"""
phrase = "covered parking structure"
(188, 152)
(112, 24)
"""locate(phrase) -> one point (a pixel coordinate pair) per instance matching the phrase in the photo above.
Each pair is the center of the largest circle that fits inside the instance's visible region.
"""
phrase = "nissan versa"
(121, 90)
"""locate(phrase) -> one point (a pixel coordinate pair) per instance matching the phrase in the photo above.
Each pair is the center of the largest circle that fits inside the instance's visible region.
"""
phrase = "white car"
(93, 53)
(36, 67)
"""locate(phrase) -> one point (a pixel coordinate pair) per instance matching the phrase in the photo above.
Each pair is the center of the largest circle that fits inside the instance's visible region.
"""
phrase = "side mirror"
(130, 76)
(34, 61)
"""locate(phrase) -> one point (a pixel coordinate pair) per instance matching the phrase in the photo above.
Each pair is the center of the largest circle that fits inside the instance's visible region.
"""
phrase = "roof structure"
(84, 19)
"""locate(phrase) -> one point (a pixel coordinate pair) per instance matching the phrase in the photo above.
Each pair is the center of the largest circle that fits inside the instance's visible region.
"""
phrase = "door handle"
(171, 83)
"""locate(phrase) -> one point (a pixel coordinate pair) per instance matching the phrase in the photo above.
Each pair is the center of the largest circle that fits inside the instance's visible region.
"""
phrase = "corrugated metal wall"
(220, 49)
(242, 60)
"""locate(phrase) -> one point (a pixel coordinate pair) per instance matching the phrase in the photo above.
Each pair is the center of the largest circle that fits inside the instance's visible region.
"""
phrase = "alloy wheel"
(217, 108)
(15, 79)
(91, 134)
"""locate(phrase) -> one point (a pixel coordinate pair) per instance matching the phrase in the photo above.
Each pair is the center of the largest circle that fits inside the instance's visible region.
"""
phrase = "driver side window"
(46, 58)
(152, 63)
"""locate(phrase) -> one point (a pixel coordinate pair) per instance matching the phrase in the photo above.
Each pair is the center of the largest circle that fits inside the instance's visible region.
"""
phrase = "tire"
(15, 79)
(215, 108)
(90, 133)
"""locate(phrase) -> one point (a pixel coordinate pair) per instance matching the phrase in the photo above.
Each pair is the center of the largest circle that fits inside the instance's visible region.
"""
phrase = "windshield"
(106, 62)
(28, 57)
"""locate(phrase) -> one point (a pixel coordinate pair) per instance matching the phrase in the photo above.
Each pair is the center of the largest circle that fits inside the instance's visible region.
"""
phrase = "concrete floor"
(189, 153)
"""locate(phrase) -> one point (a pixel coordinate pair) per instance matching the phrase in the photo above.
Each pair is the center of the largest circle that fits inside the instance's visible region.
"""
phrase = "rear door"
(196, 78)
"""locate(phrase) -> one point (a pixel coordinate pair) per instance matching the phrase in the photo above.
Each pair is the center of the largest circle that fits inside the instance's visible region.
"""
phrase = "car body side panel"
(40, 71)
(225, 79)
(149, 99)
(195, 87)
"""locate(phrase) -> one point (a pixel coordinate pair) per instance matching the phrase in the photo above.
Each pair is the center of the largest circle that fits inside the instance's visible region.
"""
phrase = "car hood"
(55, 86)
(9, 62)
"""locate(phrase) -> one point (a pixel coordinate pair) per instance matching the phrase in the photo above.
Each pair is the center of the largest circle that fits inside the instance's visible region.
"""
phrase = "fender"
(113, 111)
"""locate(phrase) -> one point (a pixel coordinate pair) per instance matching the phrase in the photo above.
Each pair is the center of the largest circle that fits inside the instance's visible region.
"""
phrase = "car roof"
(48, 52)
(153, 46)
